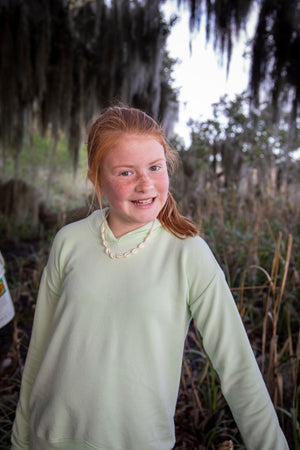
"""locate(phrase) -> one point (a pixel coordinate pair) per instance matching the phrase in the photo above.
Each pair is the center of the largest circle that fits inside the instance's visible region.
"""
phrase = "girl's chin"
(142, 219)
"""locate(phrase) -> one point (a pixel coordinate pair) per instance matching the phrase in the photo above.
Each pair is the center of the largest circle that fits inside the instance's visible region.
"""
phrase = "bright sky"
(202, 80)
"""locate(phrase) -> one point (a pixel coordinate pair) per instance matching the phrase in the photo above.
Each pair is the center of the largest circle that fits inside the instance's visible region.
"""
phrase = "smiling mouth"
(144, 202)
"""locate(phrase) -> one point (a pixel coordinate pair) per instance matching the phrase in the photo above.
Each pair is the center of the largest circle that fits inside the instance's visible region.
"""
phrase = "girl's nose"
(144, 183)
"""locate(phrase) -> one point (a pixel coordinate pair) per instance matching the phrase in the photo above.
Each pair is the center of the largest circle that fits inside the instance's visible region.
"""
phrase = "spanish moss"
(63, 61)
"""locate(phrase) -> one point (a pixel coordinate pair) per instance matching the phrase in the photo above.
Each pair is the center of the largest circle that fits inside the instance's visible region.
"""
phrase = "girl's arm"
(45, 307)
(227, 345)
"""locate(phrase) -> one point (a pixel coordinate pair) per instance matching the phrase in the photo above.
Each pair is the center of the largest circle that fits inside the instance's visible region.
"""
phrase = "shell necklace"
(126, 254)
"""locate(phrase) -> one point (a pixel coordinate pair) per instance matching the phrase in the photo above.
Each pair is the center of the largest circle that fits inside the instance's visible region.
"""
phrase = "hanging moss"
(63, 61)
(275, 63)
(276, 51)
(224, 20)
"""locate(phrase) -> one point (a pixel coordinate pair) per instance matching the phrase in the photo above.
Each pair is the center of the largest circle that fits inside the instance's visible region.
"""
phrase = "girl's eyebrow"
(157, 161)
(133, 165)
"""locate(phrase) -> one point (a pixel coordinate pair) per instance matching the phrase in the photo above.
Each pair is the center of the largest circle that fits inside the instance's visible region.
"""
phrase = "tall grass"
(257, 244)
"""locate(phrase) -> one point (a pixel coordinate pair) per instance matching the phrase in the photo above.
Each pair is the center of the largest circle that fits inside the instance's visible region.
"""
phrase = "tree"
(62, 61)
(238, 140)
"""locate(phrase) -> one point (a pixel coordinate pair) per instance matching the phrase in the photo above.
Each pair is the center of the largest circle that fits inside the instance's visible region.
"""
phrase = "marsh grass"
(257, 245)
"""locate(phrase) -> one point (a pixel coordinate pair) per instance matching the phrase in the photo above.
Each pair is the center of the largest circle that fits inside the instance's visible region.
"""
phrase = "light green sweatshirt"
(104, 362)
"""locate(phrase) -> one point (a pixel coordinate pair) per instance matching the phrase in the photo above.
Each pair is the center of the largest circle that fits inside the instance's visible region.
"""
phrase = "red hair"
(103, 134)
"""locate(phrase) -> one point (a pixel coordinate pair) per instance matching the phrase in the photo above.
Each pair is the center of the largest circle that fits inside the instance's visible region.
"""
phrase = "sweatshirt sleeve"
(45, 307)
(227, 345)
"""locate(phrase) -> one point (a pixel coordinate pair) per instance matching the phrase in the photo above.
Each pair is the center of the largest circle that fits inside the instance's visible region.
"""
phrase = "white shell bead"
(126, 254)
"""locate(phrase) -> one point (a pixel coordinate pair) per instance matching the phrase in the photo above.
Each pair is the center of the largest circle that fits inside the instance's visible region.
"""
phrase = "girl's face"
(135, 181)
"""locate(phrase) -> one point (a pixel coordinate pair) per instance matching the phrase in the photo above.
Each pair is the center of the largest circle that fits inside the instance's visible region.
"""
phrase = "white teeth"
(143, 202)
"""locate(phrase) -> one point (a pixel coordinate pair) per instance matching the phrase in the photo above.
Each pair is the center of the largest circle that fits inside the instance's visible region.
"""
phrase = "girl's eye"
(154, 168)
(126, 173)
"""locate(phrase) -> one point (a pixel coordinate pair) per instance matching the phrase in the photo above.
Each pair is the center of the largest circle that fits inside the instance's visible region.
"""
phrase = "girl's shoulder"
(75, 239)
(194, 261)
(91, 223)
(77, 234)
(198, 250)
(195, 250)
(193, 244)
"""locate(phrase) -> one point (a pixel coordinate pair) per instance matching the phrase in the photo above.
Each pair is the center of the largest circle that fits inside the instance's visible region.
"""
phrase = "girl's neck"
(132, 251)
(119, 231)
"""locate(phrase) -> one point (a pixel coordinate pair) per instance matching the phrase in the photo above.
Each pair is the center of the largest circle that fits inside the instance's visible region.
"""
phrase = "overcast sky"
(200, 77)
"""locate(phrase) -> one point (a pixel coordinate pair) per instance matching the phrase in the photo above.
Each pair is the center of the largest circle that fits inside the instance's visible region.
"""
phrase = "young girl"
(115, 302)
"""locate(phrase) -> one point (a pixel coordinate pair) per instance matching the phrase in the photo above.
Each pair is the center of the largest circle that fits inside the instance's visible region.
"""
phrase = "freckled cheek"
(164, 184)
(120, 191)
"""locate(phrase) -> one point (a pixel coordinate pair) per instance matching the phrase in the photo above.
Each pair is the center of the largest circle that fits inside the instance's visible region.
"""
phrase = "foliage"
(257, 245)
(63, 61)
(275, 51)
(238, 138)
(253, 229)
(52, 174)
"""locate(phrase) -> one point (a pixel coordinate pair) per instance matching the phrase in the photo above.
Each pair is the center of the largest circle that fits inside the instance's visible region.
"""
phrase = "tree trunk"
(51, 173)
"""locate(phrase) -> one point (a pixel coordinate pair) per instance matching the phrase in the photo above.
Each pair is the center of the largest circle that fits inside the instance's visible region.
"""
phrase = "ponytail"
(173, 221)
